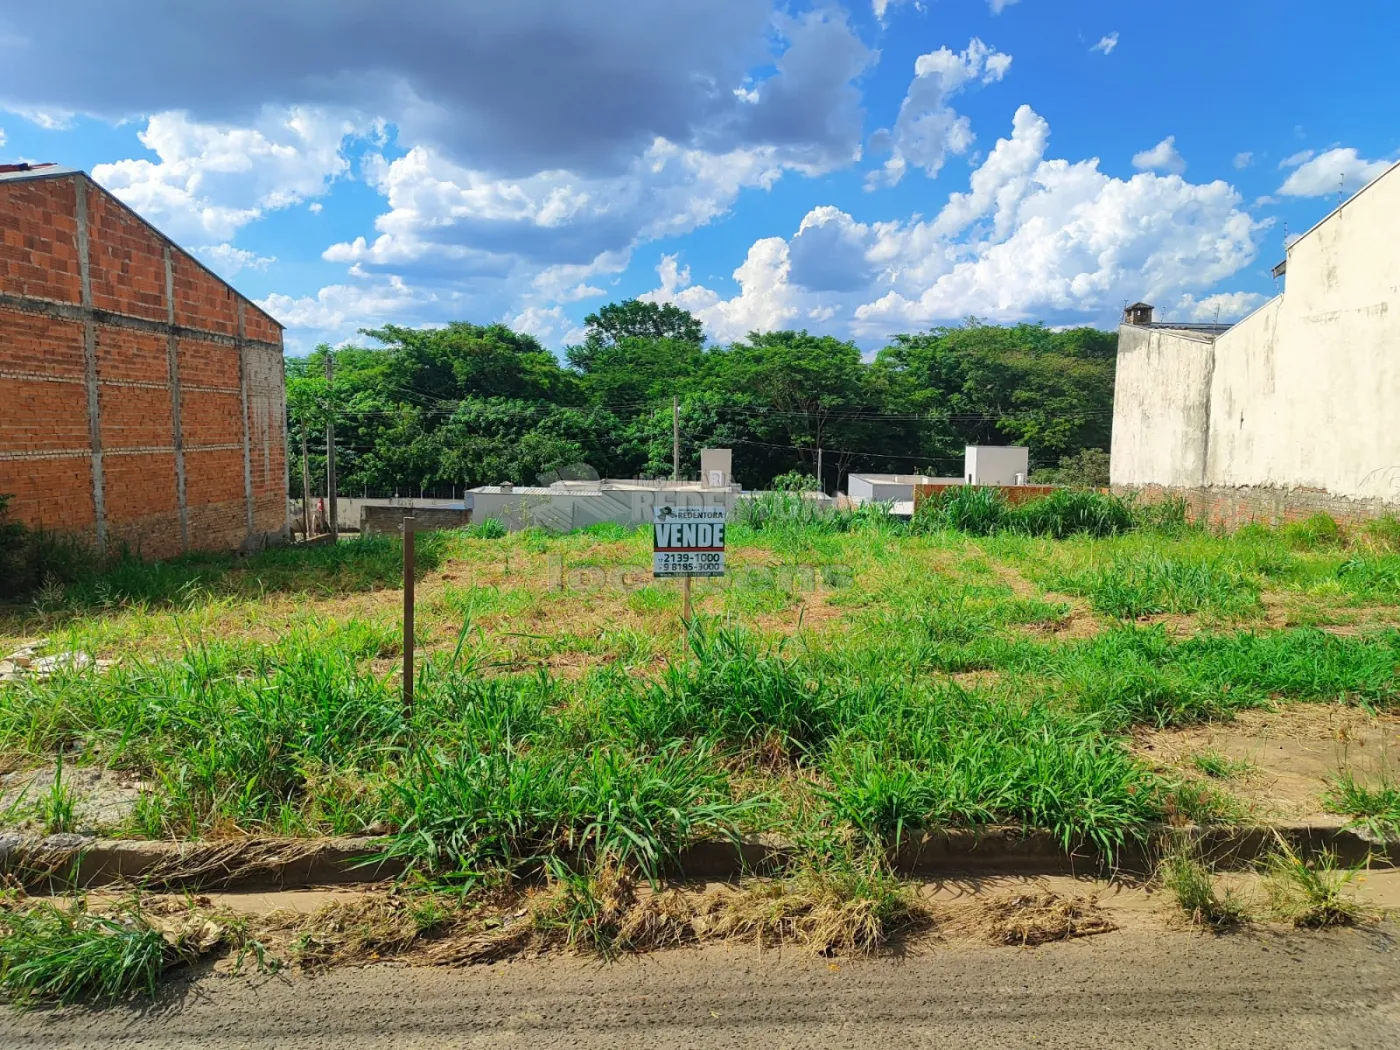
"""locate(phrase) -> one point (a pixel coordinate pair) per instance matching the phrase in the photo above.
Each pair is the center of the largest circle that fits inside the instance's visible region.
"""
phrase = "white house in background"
(996, 465)
(880, 488)
(1292, 411)
(985, 465)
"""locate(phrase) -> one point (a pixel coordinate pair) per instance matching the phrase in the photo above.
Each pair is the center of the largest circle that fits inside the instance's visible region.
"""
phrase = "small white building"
(879, 488)
(985, 465)
(996, 465)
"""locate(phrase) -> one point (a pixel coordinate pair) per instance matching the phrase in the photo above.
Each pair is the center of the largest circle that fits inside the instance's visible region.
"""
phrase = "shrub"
(486, 529)
(1318, 532)
(983, 511)
(1087, 468)
(1068, 512)
(973, 509)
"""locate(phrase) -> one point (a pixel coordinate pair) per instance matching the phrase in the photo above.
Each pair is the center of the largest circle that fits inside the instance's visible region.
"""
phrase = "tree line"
(466, 404)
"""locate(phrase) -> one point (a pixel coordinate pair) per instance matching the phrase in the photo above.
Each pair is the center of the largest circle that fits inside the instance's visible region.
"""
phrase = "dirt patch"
(811, 613)
(102, 799)
(1080, 621)
(1177, 625)
(972, 680)
(1292, 754)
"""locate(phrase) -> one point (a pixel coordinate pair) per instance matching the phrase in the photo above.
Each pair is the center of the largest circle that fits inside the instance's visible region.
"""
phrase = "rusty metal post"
(408, 614)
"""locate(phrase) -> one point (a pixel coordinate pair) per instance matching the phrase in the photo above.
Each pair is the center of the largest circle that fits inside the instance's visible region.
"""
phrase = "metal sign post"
(407, 615)
(687, 542)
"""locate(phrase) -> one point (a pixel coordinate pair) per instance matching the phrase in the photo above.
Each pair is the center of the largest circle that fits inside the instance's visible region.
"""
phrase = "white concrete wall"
(1161, 408)
(864, 488)
(562, 512)
(996, 464)
(1304, 393)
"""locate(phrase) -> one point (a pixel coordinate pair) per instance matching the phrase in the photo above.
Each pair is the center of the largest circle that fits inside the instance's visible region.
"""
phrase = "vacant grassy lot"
(852, 681)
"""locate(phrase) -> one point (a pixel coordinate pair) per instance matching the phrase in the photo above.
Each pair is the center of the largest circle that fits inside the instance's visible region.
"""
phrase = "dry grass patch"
(1026, 919)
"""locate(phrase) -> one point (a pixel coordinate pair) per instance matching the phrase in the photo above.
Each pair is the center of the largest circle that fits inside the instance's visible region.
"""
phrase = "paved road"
(1162, 991)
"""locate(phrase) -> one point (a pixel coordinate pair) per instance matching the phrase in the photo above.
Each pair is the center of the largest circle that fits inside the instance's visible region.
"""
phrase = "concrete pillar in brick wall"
(247, 430)
(173, 355)
(94, 403)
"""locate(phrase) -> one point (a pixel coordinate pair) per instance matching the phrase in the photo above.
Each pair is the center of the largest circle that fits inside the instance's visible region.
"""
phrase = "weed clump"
(1375, 808)
(1188, 879)
(985, 511)
(67, 955)
(1314, 893)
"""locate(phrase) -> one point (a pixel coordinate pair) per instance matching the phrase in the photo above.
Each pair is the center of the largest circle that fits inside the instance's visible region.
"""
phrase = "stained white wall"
(1304, 393)
(1161, 408)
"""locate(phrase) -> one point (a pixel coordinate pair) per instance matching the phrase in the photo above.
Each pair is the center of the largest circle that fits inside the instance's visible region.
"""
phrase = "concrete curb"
(65, 862)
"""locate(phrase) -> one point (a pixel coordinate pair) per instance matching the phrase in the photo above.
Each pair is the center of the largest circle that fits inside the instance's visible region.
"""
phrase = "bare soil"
(1294, 752)
(1131, 989)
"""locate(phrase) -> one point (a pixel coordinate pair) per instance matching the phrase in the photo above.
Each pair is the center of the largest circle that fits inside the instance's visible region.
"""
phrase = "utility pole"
(330, 452)
(305, 487)
(821, 482)
(675, 439)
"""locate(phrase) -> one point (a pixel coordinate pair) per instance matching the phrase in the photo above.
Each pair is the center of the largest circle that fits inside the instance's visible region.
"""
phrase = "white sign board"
(687, 541)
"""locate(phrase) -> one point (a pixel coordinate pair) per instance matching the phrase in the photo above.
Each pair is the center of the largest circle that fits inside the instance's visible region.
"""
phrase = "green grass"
(1144, 585)
(1375, 807)
(925, 682)
(1214, 764)
(1184, 875)
(66, 955)
(1065, 512)
(1313, 892)
(56, 810)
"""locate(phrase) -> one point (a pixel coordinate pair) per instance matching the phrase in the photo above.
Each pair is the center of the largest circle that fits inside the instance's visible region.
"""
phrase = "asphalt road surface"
(1162, 991)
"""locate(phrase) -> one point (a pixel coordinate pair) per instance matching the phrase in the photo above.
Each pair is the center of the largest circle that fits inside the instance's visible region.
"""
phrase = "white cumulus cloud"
(212, 179)
(226, 260)
(1336, 171)
(1224, 307)
(1161, 157)
(1243, 160)
(928, 129)
(1033, 238)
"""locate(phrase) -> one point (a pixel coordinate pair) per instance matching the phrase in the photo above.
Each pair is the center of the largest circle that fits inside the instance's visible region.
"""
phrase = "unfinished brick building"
(142, 399)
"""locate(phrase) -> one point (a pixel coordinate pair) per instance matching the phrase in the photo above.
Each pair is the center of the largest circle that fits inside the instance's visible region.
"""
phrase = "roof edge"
(1335, 211)
(59, 172)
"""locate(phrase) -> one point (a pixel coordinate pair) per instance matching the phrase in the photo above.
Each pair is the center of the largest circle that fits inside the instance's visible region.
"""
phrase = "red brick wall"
(38, 240)
(47, 462)
(1013, 493)
(44, 419)
(201, 299)
(127, 260)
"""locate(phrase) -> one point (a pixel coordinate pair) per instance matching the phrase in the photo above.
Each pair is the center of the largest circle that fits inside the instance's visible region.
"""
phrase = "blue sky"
(860, 169)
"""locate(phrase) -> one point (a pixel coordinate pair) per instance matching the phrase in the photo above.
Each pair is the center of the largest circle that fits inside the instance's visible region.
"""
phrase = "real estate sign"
(687, 541)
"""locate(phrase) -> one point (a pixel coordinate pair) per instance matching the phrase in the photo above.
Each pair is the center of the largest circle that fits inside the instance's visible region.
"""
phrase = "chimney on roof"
(1138, 313)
